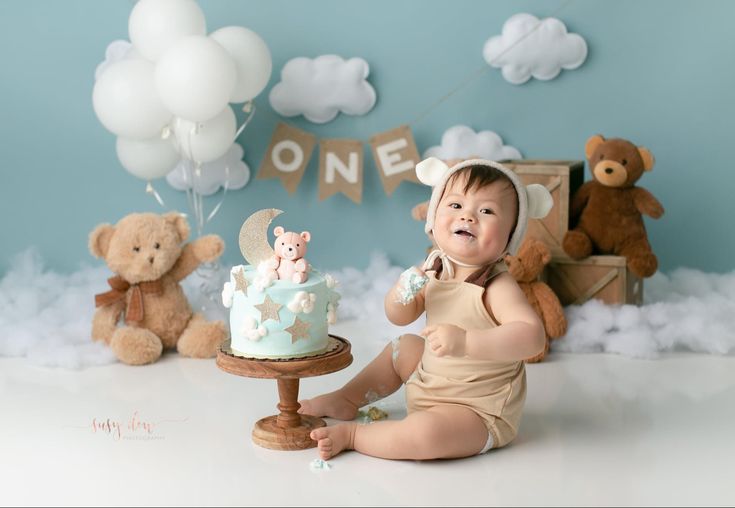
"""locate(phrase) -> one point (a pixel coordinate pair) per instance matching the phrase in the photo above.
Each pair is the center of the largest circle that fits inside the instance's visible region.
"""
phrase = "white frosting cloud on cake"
(331, 281)
(331, 313)
(227, 295)
(302, 302)
(252, 330)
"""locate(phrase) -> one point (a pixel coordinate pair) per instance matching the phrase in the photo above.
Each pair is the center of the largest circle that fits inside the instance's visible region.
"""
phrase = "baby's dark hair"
(481, 176)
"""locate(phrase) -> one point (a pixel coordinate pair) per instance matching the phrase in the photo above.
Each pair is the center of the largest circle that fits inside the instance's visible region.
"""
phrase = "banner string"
(485, 68)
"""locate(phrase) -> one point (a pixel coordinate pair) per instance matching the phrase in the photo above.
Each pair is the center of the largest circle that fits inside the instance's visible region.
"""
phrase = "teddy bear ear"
(178, 221)
(430, 171)
(647, 156)
(539, 201)
(278, 231)
(306, 236)
(99, 240)
(592, 144)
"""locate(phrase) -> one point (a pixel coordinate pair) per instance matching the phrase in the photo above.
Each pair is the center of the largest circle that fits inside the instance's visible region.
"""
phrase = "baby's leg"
(381, 377)
(442, 432)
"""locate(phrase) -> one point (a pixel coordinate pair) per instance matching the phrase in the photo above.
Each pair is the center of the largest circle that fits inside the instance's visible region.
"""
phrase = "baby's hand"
(446, 340)
(410, 284)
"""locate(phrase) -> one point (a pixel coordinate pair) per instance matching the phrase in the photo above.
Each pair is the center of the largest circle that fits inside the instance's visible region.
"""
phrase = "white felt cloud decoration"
(117, 50)
(323, 87)
(213, 175)
(461, 142)
(532, 47)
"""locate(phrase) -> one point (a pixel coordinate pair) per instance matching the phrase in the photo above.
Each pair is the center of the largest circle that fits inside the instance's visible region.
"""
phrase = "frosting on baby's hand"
(410, 284)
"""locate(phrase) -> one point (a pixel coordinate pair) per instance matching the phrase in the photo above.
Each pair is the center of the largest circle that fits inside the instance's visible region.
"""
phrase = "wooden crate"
(605, 278)
(562, 178)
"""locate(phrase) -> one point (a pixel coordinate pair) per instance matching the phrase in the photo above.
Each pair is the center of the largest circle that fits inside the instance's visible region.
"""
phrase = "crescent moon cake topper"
(254, 243)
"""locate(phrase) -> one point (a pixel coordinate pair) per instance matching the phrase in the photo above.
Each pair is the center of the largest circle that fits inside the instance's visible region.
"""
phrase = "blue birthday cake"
(279, 306)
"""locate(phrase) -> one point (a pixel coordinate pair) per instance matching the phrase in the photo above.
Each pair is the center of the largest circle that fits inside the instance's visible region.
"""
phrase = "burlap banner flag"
(340, 160)
(340, 168)
(287, 156)
(395, 156)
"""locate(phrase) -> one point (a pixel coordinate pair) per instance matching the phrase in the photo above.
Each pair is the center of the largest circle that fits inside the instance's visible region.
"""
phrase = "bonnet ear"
(431, 171)
(539, 201)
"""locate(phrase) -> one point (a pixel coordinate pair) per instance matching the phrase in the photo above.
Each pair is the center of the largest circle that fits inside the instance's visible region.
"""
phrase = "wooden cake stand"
(288, 430)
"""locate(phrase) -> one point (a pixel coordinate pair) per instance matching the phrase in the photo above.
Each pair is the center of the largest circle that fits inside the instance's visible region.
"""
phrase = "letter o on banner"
(290, 146)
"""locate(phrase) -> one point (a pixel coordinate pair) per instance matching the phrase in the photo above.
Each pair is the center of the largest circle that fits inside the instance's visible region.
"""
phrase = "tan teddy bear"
(525, 267)
(146, 253)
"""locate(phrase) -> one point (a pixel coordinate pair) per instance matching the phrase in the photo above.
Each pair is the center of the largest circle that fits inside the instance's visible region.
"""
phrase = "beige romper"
(494, 390)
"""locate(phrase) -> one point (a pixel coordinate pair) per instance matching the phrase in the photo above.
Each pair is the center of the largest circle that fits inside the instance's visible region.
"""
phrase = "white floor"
(597, 430)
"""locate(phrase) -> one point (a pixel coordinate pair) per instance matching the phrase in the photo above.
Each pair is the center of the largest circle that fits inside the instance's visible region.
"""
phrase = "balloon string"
(150, 190)
(249, 107)
(225, 186)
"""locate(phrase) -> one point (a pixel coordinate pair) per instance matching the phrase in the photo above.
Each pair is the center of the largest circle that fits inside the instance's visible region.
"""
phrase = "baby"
(465, 378)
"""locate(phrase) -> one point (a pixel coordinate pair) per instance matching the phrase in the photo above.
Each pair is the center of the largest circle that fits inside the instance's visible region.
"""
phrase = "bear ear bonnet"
(534, 201)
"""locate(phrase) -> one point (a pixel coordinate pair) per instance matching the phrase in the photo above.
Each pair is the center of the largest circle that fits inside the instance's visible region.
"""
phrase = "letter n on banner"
(287, 156)
(396, 156)
(340, 168)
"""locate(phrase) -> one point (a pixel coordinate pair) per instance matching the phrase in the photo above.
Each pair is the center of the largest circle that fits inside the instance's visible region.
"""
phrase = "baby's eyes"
(487, 211)
(456, 206)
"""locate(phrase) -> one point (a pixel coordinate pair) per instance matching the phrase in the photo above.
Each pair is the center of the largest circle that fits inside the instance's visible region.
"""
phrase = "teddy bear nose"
(150, 259)
(609, 171)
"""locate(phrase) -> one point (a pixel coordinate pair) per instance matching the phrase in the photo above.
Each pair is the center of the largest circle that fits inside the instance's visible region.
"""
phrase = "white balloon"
(147, 159)
(252, 60)
(195, 78)
(126, 101)
(156, 24)
(206, 141)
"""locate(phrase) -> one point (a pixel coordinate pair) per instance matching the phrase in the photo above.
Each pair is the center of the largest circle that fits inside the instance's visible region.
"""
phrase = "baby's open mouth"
(464, 233)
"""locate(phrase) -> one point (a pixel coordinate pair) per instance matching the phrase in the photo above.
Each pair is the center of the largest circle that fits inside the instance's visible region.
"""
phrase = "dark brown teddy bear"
(525, 267)
(606, 212)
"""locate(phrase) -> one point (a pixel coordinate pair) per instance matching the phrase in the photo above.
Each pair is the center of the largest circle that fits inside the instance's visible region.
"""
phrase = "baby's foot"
(333, 440)
(333, 405)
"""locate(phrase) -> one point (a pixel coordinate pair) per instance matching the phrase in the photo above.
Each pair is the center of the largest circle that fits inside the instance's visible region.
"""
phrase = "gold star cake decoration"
(298, 330)
(241, 283)
(269, 310)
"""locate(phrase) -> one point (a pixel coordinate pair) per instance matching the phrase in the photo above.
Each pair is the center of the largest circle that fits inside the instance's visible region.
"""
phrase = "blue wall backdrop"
(661, 73)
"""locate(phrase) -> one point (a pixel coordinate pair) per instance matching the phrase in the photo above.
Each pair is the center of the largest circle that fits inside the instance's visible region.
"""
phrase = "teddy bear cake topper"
(253, 239)
(285, 260)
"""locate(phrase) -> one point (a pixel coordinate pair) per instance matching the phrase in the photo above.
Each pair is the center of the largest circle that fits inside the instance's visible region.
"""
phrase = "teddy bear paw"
(201, 339)
(209, 248)
(136, 346)
(644, 265)
(577, 244)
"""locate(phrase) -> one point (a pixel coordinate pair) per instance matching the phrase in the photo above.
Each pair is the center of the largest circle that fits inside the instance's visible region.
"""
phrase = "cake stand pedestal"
(288, 430)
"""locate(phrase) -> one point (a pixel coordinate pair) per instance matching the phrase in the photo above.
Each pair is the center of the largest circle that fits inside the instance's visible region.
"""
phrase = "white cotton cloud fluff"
(229, 170)
(47, 317)
(687, 310)
(322, 87)
(461, 142)
(529, 47)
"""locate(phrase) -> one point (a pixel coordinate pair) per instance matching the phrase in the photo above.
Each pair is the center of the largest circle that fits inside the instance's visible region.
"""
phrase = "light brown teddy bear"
(607, 212)
(146, 253)
(525, 267)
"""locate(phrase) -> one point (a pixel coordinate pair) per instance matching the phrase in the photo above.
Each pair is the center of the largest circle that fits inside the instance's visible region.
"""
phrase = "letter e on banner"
(287, 156)
(341, 168)
(395, 156)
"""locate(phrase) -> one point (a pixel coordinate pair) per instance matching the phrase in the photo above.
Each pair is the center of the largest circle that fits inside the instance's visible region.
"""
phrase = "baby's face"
(475, 227)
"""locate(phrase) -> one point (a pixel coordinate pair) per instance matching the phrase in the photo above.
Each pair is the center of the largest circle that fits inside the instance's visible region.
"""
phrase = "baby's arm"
(520, 334)
(397, 310)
